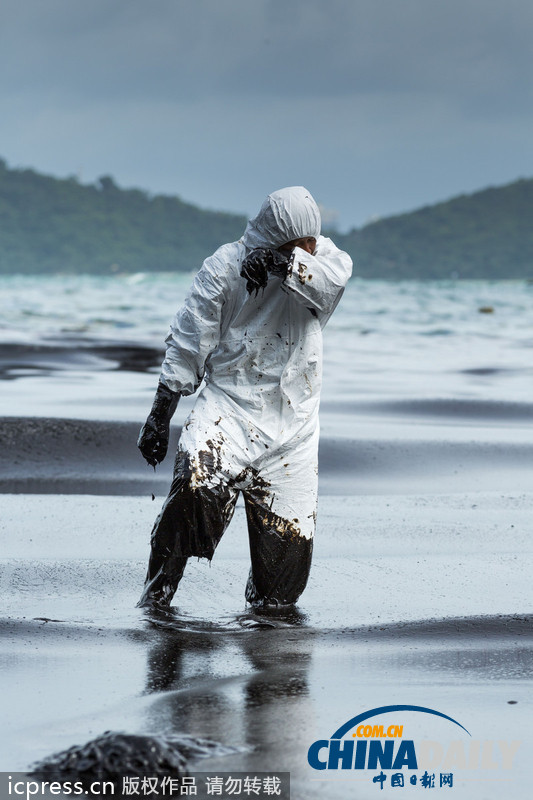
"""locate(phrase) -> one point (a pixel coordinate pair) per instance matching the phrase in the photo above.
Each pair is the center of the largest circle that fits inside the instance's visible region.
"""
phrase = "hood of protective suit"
(287, 214)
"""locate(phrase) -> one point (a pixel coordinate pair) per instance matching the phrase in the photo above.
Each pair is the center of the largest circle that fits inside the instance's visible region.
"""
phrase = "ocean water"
(84, 345)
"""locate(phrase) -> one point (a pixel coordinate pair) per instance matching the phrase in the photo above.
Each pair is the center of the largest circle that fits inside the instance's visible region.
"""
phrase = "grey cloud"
(311, 48)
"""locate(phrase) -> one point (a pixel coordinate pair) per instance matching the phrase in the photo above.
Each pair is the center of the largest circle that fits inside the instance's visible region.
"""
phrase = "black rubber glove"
(259, 263)
(153, 438)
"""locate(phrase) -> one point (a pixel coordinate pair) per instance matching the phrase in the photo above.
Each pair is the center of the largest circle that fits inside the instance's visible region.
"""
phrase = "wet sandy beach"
(420, 590)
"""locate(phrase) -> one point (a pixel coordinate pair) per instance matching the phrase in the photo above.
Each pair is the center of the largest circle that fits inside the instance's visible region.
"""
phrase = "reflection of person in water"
(251, 326)
(231, 689)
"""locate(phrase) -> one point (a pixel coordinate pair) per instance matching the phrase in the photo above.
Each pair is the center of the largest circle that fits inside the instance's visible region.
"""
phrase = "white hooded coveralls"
(254, 427)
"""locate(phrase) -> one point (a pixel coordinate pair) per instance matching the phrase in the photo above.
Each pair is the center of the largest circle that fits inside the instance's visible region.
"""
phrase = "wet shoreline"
(420, 587)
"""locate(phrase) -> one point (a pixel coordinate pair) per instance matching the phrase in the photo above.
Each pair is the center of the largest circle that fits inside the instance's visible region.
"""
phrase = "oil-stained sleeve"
(317, 281)
(195, 331)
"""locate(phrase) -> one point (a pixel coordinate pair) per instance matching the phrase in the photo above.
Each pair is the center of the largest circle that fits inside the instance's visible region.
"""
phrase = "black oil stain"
(281, 558)
(87, 353)
(113, 756)
(302, 273)
(254, 483)
(209, 460)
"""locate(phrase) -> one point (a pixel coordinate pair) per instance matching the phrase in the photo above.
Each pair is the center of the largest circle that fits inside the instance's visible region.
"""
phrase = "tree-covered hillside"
(59, 225)
(52, 225)
(488, 234)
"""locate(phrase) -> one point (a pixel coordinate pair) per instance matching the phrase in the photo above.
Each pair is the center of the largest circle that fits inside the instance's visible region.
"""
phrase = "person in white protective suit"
(251, 327)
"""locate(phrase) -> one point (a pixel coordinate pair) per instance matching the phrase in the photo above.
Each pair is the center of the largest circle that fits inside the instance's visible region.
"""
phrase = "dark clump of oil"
(113, 756)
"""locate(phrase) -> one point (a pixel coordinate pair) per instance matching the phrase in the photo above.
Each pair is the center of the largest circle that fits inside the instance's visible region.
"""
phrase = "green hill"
(59, 225)
(51, 225)
(488, 234)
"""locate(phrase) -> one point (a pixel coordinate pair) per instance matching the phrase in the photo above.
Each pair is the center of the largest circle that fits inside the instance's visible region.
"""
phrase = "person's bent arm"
(315, 273)
(317, 280)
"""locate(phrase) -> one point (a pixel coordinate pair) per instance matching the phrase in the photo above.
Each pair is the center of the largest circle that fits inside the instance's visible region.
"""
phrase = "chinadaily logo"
(387, 746)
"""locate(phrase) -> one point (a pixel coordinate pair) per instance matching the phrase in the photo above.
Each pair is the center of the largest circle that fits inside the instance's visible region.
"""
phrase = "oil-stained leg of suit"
(192, 522)
(280, 555)
(281, 502)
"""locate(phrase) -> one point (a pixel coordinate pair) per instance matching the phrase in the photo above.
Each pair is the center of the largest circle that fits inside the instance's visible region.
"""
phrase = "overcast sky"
(377, 106)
